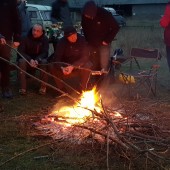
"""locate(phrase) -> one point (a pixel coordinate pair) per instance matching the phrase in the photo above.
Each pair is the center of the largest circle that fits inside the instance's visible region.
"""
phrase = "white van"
(121, 20)
(40, 14)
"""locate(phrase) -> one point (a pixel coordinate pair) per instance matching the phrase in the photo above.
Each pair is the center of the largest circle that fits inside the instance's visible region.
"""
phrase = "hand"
(67, 70)
(104, 43)
(33, 63)
(16, 44)
(3, 41)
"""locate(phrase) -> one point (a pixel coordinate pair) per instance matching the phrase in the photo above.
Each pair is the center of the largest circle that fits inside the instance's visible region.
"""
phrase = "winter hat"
(90, 9)
(69, 31)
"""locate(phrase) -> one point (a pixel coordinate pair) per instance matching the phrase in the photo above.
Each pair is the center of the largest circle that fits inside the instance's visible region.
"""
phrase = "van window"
(33, 14)
(46, 15)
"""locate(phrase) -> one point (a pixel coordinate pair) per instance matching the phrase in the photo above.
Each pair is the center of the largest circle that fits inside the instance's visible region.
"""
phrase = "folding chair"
(141, 77)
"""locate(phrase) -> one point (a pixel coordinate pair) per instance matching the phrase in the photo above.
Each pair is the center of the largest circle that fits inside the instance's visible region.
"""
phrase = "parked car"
(121, 20)
(40, 14)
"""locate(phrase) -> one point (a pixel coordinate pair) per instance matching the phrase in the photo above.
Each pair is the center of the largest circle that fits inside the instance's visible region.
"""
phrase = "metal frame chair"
(142, 72)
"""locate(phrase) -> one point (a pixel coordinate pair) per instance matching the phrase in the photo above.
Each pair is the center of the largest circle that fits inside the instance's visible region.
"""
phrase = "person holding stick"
(34, 49)
(71, 55)
(10, 28)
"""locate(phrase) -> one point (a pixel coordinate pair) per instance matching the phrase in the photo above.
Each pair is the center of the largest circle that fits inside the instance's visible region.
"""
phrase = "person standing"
(34, 49)
(61, 13)
(165, 23)
(10, 28)
(25, 19)
(99, 28)
(3, 42)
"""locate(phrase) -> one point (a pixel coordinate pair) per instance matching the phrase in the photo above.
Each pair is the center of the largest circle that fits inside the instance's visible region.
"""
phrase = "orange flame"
(79, 112)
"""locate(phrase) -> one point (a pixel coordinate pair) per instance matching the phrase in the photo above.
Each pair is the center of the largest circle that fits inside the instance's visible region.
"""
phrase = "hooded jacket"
(61, 13)
(165, 23)
(10, 23)
(103, 27)
(34, 48)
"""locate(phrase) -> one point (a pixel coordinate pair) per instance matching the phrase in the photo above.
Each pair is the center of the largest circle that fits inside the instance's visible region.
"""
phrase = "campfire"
(79, 112)
(90, 121)
(66, 121)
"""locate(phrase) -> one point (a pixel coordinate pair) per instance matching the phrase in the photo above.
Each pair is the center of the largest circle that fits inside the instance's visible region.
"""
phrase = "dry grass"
(143, 37)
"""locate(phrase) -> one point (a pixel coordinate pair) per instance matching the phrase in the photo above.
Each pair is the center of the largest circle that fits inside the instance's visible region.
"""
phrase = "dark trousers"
(82, 75)
(168, 56)
(26, 67)
(5, 53)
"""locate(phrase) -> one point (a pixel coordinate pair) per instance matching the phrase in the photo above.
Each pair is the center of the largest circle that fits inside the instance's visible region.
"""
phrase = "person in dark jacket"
(72, 51)
(10, 28)
(2, 41)
(24, 16)
(99, 28)
(165, 23)
(34, 49)
(61, 13)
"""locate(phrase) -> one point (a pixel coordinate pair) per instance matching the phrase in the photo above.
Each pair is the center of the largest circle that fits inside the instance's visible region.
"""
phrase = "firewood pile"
(126, 127)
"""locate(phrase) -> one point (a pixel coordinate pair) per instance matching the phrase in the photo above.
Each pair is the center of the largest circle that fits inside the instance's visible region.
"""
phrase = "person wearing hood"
(10, 28)
(61, 13)
(99, 28)
(34, 50)
(165, 23)
(24, 16)
(71, 56)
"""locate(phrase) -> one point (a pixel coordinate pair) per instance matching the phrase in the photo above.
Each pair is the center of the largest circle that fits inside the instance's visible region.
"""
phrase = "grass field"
(24, 148)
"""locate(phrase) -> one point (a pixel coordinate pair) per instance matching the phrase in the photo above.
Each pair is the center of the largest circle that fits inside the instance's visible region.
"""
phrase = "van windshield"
(46, 15)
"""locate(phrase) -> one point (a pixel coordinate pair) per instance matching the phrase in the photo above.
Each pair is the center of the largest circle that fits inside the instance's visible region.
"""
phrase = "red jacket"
(165, 23)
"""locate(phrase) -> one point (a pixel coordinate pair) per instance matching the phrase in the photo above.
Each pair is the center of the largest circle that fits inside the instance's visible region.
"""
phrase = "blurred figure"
(61, 13)
(34, 48)
(24, 16)
(10, 28)
(72, 51)
(2, 41)
(99, 28)
(165, 23)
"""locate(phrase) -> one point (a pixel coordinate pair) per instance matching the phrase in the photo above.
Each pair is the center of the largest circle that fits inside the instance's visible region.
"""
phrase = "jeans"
(100, 57)
(26, 67)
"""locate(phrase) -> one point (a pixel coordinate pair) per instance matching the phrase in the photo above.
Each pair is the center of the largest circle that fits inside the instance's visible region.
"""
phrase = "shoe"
(7, 94)
(42, 90)
(22, 92)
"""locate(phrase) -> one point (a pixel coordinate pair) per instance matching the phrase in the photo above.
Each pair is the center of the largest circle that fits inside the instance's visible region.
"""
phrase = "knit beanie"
(69, 31)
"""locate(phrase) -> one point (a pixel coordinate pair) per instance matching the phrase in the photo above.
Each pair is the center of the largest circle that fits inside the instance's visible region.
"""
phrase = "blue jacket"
(25, 19)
